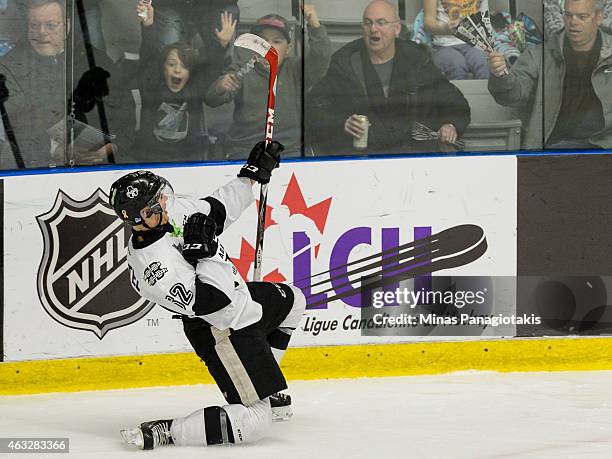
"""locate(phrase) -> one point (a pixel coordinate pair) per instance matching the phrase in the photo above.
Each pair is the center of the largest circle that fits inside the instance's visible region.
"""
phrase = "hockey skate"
(149, 435)
(281, 407)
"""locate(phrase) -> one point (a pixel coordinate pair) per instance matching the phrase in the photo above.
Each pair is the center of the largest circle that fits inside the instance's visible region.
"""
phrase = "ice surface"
(471, 415)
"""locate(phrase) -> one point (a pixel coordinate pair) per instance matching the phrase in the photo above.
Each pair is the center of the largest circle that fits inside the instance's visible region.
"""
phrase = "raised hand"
(310, 13)
(146, 12)
(262, 160)
(228, 28)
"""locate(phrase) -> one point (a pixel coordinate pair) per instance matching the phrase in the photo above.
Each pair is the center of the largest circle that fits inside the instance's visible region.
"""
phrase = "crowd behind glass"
(87, 82)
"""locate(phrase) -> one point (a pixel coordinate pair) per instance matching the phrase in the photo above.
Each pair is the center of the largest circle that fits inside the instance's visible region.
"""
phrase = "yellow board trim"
(504, 355)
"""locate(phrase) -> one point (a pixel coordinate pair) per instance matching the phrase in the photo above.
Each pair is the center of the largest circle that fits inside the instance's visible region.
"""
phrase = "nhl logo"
(83, 280)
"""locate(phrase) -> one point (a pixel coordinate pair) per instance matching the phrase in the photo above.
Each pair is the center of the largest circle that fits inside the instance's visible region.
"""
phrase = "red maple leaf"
(247, 257)
(294, 200)
(274, 276)
(269, 220)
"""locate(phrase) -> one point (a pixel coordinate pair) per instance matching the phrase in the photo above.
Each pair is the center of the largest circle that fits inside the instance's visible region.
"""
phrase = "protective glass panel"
(32, 83)
(577, 76)
(420, 84)
(89, 82)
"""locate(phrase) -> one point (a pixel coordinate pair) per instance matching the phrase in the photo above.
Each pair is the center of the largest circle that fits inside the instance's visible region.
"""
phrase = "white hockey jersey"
(213, 290)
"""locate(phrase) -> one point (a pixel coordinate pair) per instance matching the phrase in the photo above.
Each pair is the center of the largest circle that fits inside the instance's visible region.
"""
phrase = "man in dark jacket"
(45, 84)
(392, 82)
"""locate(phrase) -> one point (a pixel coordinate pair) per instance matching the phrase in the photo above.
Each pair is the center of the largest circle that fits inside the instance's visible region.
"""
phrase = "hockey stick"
(261, 47)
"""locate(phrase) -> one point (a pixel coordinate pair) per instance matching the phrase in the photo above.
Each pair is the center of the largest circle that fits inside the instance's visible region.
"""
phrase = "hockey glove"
(262, 161)
(199, 237)
(4, 92)
(91, 88)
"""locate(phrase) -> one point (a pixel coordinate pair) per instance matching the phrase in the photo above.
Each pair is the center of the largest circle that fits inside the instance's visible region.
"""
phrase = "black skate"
(281, 407)
(149, 435)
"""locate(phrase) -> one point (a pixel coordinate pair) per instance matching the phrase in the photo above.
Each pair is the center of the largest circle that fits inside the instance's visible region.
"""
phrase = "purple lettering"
(340, 258)
(302, 270)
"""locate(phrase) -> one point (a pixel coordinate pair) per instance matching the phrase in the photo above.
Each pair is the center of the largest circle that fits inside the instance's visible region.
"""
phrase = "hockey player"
(240, 330)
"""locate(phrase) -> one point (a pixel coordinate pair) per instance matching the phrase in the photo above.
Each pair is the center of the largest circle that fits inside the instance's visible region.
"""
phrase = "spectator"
(36, 73)
(10, 25)
(390, 81)
(171, 120)
(180, 20)
(456, 59)
(553, 17)
(249, 94)
(114, 26)
(567, 77)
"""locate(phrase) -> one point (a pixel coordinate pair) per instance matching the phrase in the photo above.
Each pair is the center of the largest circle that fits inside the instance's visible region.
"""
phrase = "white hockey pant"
(211, 426)
(279, 339)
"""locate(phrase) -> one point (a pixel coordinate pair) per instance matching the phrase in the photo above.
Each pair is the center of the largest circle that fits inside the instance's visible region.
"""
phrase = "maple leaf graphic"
(246, 259)
(274, 276)
(269, 220)
(294, 200)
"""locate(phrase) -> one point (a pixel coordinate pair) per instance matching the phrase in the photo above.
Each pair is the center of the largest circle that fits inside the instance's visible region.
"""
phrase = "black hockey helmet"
(140, 194)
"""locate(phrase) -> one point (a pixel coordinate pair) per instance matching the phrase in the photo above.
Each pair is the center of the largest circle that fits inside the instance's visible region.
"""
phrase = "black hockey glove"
(262, 161)
(199, 236)
(4, 92)
(92, 87)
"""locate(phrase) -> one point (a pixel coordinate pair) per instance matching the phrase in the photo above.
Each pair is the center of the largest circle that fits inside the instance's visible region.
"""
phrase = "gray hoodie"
(535, 84)
(251, 99)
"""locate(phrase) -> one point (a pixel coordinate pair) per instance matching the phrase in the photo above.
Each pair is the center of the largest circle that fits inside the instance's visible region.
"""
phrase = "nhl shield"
(83, 280)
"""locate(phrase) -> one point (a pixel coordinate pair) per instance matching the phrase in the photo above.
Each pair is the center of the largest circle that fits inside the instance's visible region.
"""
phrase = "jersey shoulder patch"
(154, 272)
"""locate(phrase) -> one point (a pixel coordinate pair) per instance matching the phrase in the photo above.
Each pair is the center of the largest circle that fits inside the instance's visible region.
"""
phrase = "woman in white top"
(457, 60)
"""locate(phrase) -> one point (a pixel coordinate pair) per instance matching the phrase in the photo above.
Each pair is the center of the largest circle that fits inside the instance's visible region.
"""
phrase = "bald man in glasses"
(391, 81)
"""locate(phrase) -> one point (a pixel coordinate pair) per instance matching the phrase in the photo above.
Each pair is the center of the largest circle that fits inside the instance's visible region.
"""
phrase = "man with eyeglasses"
(35, 77)
(562, 87)
(391, 81)
(46, 80)
(553, 17)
